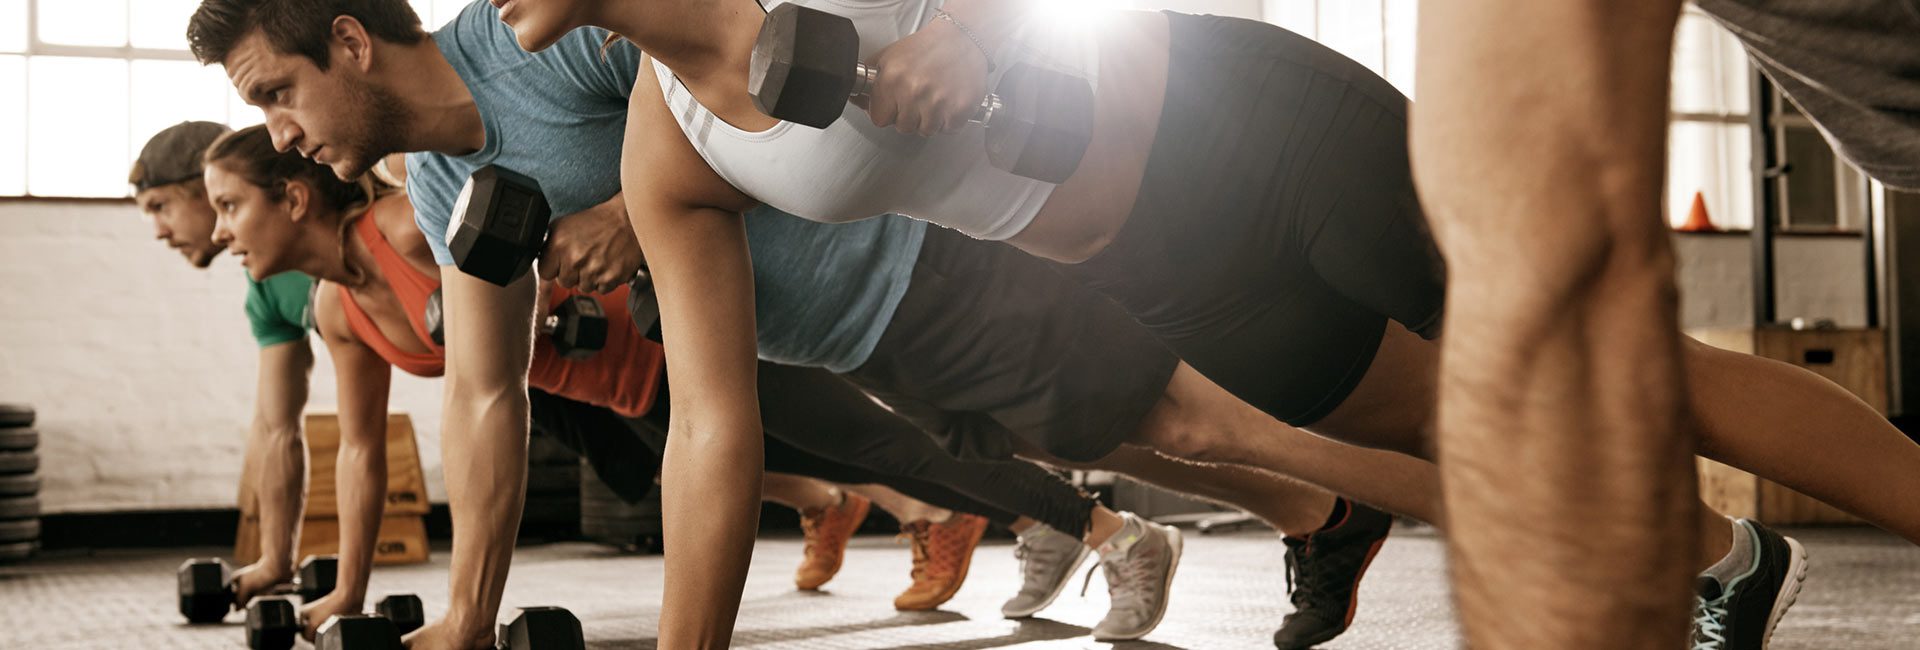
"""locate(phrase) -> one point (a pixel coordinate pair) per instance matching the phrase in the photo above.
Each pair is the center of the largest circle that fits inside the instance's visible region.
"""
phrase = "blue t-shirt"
(824, 293)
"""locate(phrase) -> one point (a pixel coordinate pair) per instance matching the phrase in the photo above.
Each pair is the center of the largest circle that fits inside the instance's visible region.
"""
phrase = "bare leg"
(904, 508)
(1796, 428)
(798, 492)
(1291, 507)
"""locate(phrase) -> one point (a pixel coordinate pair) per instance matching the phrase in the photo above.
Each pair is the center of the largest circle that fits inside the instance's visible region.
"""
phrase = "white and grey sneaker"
(1139, 562)
(1048, 559)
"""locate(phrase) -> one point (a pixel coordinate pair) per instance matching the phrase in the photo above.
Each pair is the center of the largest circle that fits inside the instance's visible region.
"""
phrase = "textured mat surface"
(1863, 592)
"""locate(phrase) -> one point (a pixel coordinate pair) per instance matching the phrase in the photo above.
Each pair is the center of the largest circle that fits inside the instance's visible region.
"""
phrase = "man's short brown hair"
(295, 26)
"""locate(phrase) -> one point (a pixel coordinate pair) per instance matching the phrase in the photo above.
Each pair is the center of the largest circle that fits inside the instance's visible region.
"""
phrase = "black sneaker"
(1741, 614)
(1323, 575)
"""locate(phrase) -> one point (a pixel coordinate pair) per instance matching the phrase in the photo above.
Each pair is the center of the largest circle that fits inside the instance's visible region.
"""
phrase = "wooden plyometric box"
(402, 537)
(1854, 358)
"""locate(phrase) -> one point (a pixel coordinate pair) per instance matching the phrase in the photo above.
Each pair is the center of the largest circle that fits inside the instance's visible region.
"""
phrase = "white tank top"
(853, 170)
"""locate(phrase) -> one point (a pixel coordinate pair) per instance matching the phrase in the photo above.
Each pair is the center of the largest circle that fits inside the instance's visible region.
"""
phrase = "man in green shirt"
(173, 198)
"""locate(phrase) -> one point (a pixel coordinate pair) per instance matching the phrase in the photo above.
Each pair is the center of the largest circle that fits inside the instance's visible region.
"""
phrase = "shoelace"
(919, 536)
(1033, 560)
(809, 527)
(1709, 628)
(1312, 574)
(1127, 578)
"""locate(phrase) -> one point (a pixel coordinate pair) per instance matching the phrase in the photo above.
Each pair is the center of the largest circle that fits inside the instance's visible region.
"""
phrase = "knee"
(1189, 442)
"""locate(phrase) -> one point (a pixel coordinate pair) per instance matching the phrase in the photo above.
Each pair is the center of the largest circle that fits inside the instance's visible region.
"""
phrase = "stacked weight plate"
(19, 483)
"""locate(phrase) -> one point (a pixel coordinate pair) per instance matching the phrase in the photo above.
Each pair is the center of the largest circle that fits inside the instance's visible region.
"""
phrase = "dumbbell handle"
(864, 76)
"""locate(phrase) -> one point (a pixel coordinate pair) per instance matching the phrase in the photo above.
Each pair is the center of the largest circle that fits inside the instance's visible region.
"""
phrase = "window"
(1709, 142)
(1377, 33)
(84, 83)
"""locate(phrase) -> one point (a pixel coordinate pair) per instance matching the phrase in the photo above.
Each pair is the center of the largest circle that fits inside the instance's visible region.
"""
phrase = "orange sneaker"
(941, 554)
(827, 531)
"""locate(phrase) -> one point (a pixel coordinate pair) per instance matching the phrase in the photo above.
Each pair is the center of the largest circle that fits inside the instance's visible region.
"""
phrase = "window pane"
(425, 9)
(78, 143)
(1352, 27)
(239, 114)
(1296, 16)
(1714, 160)
(1810, 201)
(166, 93)
(13, 126)
(444, 11)
(162, 24)
(13, 25)
(84, 22)
(1402, 23)
(1709, 68)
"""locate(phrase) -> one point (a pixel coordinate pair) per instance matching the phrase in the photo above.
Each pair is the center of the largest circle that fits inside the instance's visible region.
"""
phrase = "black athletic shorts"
(1277, 228)
(989, 342)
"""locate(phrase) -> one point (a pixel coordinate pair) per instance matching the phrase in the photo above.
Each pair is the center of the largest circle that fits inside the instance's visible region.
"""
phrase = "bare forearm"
(1539, 155)
(711, 501)
(276, 447)
(360, 484)
(279, 455)
(484, 452)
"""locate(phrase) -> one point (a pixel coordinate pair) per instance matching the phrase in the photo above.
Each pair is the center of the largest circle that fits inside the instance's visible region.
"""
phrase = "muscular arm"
(276, 450)
(360, 473)
(701, 271)
(489, 333)
(1539, 147)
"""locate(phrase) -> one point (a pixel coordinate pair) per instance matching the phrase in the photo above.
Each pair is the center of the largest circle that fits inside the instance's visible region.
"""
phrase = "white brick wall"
(141, 367)
(1815, 277)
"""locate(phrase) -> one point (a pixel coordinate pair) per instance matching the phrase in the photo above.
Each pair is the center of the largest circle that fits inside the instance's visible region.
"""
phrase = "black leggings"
(1277, 229)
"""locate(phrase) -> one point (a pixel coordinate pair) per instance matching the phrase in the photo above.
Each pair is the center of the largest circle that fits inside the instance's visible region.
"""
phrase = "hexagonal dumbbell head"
(357, 632)
(316, 576)
(500, 225)
(204, 593)
(1044, 126)
(803, 65)
(542, 628)
(272, 623)
(578, 327)
(404, 610)
(436, 319)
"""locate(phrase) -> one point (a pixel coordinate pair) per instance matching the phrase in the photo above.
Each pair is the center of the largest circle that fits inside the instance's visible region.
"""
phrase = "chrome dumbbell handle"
(864, 77)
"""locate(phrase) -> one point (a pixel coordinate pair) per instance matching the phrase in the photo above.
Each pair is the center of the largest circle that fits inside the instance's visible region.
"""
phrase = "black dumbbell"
(541, 628)
(273, 623)
(806, 63)
(578, 327)
(501, 225)
(535, 628)
(206, 585)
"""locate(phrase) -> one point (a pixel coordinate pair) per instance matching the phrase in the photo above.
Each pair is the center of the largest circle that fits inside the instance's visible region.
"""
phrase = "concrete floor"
(1863, 592)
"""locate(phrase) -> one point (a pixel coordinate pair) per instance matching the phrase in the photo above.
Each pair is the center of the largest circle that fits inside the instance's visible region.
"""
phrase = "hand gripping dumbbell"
(536, 628)
(206, 585)
(500, 225)
(806, 63)
(577, 327)
(273, 622)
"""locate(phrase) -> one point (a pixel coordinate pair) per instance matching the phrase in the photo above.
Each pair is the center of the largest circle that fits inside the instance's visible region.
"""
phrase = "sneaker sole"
(1058, 587)
(1175, 543)
(1789, 592)
(858, 518)
(959, 580)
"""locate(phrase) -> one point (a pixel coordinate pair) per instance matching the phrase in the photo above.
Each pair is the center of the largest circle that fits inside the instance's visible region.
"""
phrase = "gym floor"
(1230, 593)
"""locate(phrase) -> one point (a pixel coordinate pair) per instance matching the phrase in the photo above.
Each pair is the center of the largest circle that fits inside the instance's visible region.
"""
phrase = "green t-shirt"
(278, 308)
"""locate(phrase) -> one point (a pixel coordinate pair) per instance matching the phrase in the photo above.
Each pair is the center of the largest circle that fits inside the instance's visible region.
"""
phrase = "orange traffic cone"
(1697, 219)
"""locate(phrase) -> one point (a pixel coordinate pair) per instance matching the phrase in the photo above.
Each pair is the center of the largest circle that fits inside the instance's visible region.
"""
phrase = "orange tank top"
(624, 376)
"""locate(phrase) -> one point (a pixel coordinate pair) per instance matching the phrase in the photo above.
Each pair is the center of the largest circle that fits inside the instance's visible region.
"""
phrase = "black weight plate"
(19, 439)
(18, 462)
(19, 508)
(17, 551)
(19, 530)
(16, 415)
(19, 485)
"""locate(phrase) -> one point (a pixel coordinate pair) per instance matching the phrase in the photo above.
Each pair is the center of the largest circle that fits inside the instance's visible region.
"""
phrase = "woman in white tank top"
(1246, 195)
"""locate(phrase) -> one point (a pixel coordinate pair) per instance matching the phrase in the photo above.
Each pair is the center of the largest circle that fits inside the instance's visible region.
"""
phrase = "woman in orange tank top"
(280, 212)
